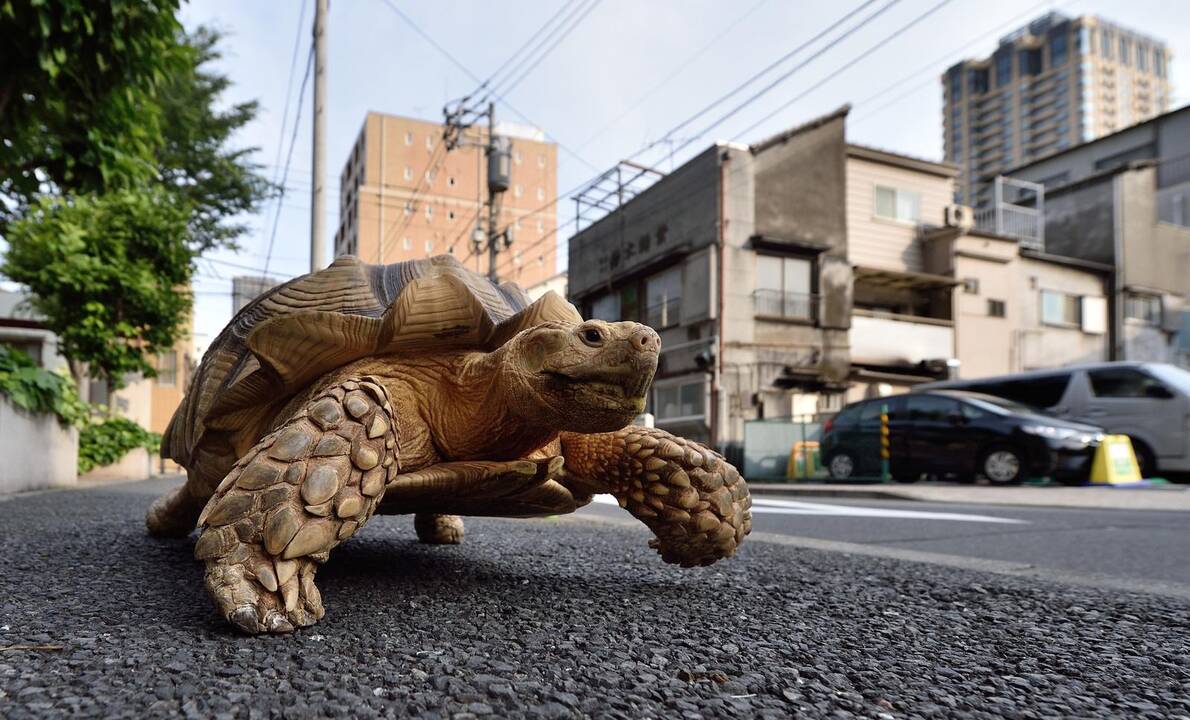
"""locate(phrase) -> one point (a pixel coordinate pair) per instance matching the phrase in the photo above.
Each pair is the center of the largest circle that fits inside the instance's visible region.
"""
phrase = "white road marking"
(773, 506)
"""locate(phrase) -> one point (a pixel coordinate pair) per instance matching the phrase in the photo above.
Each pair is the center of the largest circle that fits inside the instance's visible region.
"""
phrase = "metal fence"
(774, 303)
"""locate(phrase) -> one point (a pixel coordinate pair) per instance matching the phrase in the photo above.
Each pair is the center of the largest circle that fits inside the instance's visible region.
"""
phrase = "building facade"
(1050, 85)
(403, 196)
(792, 276)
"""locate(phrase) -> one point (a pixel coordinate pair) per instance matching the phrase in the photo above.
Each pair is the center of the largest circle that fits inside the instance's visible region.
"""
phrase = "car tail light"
(827, 425)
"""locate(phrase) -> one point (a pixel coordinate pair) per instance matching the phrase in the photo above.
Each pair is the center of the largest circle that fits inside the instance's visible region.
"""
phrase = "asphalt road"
(561, 618)
(1143, 545)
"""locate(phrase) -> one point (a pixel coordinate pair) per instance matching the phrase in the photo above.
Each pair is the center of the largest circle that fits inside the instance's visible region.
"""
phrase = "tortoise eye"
(593, 337)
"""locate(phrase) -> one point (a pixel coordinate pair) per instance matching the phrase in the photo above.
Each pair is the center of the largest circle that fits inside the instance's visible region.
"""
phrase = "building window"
(1125, 48)
(540, 193)
(1105, 44)
(685, 401)
(663, 298)
(167, 369)
(408, 207)
(540, 227)
(429, 143)
(1061, 309)
(971, 286)
(1142, 57)
(1058, 49)
(996, 308)
(408, 138)
(1143, 308)
(429, 247)
(450, 214)
(606, 307)
(783, 287)
(516, 157)
(900, 205)
(408, 173)
(450, 181)
(1003, 69)
(429, 212)
(518, 190)
(540, 160)
(430, 176)
(407, 243)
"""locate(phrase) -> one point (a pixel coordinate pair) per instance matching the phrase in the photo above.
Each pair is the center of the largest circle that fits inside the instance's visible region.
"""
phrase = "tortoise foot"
(434, 529)
(259, 594)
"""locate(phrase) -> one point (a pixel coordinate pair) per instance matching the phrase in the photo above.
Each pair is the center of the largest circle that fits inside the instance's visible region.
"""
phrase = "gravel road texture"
(557, 619)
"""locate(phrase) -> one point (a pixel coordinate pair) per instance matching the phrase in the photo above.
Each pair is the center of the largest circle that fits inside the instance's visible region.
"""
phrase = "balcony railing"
(787, 306)
(901, 340)
(664, 314)
(1025, 223)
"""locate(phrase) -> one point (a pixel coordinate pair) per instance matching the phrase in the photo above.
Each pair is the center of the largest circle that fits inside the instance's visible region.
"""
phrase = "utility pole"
(318, 199)
(499, 155)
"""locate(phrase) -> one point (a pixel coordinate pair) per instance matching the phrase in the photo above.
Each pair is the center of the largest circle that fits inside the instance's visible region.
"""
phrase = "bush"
(105, 442)
(37, 390)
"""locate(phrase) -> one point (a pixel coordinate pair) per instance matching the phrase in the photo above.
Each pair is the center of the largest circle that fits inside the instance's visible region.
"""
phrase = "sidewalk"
(1156, 497)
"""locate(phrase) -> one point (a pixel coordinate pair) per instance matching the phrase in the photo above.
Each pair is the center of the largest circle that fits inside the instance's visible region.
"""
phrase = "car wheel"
(1144, 458)
(1002, 465)
(841, 466)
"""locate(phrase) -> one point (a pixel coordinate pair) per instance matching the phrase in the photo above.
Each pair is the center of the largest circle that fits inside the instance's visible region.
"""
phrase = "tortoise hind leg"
(436, 529)
(296, 495)
(174, 514)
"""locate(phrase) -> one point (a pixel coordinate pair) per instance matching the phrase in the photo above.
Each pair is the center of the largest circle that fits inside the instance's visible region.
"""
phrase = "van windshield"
(1174, 377)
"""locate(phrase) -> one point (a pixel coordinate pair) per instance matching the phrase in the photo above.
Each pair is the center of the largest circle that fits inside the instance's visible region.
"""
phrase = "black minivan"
(960, 434)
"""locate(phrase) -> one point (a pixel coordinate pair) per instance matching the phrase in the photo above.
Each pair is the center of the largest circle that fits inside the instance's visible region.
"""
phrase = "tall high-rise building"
(1054, 83)
(402, 196)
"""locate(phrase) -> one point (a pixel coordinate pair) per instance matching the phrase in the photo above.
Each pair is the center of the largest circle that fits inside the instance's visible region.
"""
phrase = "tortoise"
(419, 388)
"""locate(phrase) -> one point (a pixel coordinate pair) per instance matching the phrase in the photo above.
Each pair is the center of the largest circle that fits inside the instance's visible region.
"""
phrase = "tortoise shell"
(297, 332)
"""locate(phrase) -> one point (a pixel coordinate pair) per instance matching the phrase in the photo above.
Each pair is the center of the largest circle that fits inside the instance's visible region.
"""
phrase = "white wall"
(38, 453)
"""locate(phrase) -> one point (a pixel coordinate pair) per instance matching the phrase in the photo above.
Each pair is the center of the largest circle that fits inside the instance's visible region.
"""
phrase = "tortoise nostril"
(646, 339)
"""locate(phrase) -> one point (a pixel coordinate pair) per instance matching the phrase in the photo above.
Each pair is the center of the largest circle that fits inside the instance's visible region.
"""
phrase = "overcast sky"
(626, 75)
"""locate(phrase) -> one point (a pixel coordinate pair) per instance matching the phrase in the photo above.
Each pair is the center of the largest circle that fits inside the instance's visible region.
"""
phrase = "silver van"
(1148, 402)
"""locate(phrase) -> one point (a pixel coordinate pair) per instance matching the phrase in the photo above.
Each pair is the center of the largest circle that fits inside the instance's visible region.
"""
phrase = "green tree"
(77, 94)
(109, 274)
(197, 159)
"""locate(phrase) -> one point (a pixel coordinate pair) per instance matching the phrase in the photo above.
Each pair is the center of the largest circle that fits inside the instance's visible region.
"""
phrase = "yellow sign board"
(1115, 463)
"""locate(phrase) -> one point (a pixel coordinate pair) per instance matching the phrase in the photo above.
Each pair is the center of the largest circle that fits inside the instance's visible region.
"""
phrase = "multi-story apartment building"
(1051, 85)
(403, 196)
(802, 272)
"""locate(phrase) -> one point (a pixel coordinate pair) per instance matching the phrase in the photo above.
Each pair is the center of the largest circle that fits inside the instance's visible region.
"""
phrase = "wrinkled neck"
(482, 412)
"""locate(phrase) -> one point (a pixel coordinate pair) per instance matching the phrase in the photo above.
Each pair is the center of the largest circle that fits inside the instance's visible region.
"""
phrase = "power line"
(558, 37)
(528, 41)
(473, 76)
(928, 66)
(785, 76)
(683, 65)
(897, 33)
(297, 43)
(830, 28)
(289, 156)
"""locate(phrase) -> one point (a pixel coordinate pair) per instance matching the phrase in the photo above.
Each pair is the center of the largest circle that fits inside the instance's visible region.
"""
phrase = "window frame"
(896, 200)
(810, 298)
(1077, 323)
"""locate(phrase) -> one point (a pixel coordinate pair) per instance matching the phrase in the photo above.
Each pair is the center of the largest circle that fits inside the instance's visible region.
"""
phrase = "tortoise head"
(585, 377)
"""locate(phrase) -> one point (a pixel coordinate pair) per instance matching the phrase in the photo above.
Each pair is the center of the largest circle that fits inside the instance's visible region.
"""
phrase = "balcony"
(1017, 211)
(880, 338)
(774, 304)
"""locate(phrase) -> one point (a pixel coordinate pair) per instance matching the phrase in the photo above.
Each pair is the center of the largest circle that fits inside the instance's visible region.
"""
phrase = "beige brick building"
(1053, 84)
(402, 196)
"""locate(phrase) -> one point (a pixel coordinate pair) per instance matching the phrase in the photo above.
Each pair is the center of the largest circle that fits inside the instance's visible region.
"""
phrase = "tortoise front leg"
(692, 499)
(297, 494)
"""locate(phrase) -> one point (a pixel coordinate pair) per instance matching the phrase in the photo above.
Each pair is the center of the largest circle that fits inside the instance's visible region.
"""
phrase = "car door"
(1127, 400)
(937, 439)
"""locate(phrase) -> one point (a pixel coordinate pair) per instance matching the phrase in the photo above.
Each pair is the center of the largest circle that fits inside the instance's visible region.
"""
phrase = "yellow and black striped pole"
(884, 453)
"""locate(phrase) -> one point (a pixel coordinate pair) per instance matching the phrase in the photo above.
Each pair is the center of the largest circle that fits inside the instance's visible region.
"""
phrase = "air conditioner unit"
(960, 216)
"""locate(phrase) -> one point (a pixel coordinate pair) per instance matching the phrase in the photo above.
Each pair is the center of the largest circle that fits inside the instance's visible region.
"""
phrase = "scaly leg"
(690, 497)
(296, 495)
(436, 529)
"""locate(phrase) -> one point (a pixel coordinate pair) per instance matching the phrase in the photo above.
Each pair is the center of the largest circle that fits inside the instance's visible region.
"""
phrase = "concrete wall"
(1155, 255)
(679, 213)
(983, 344)
(1080, 221)
(136, 464)
(38, 452)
